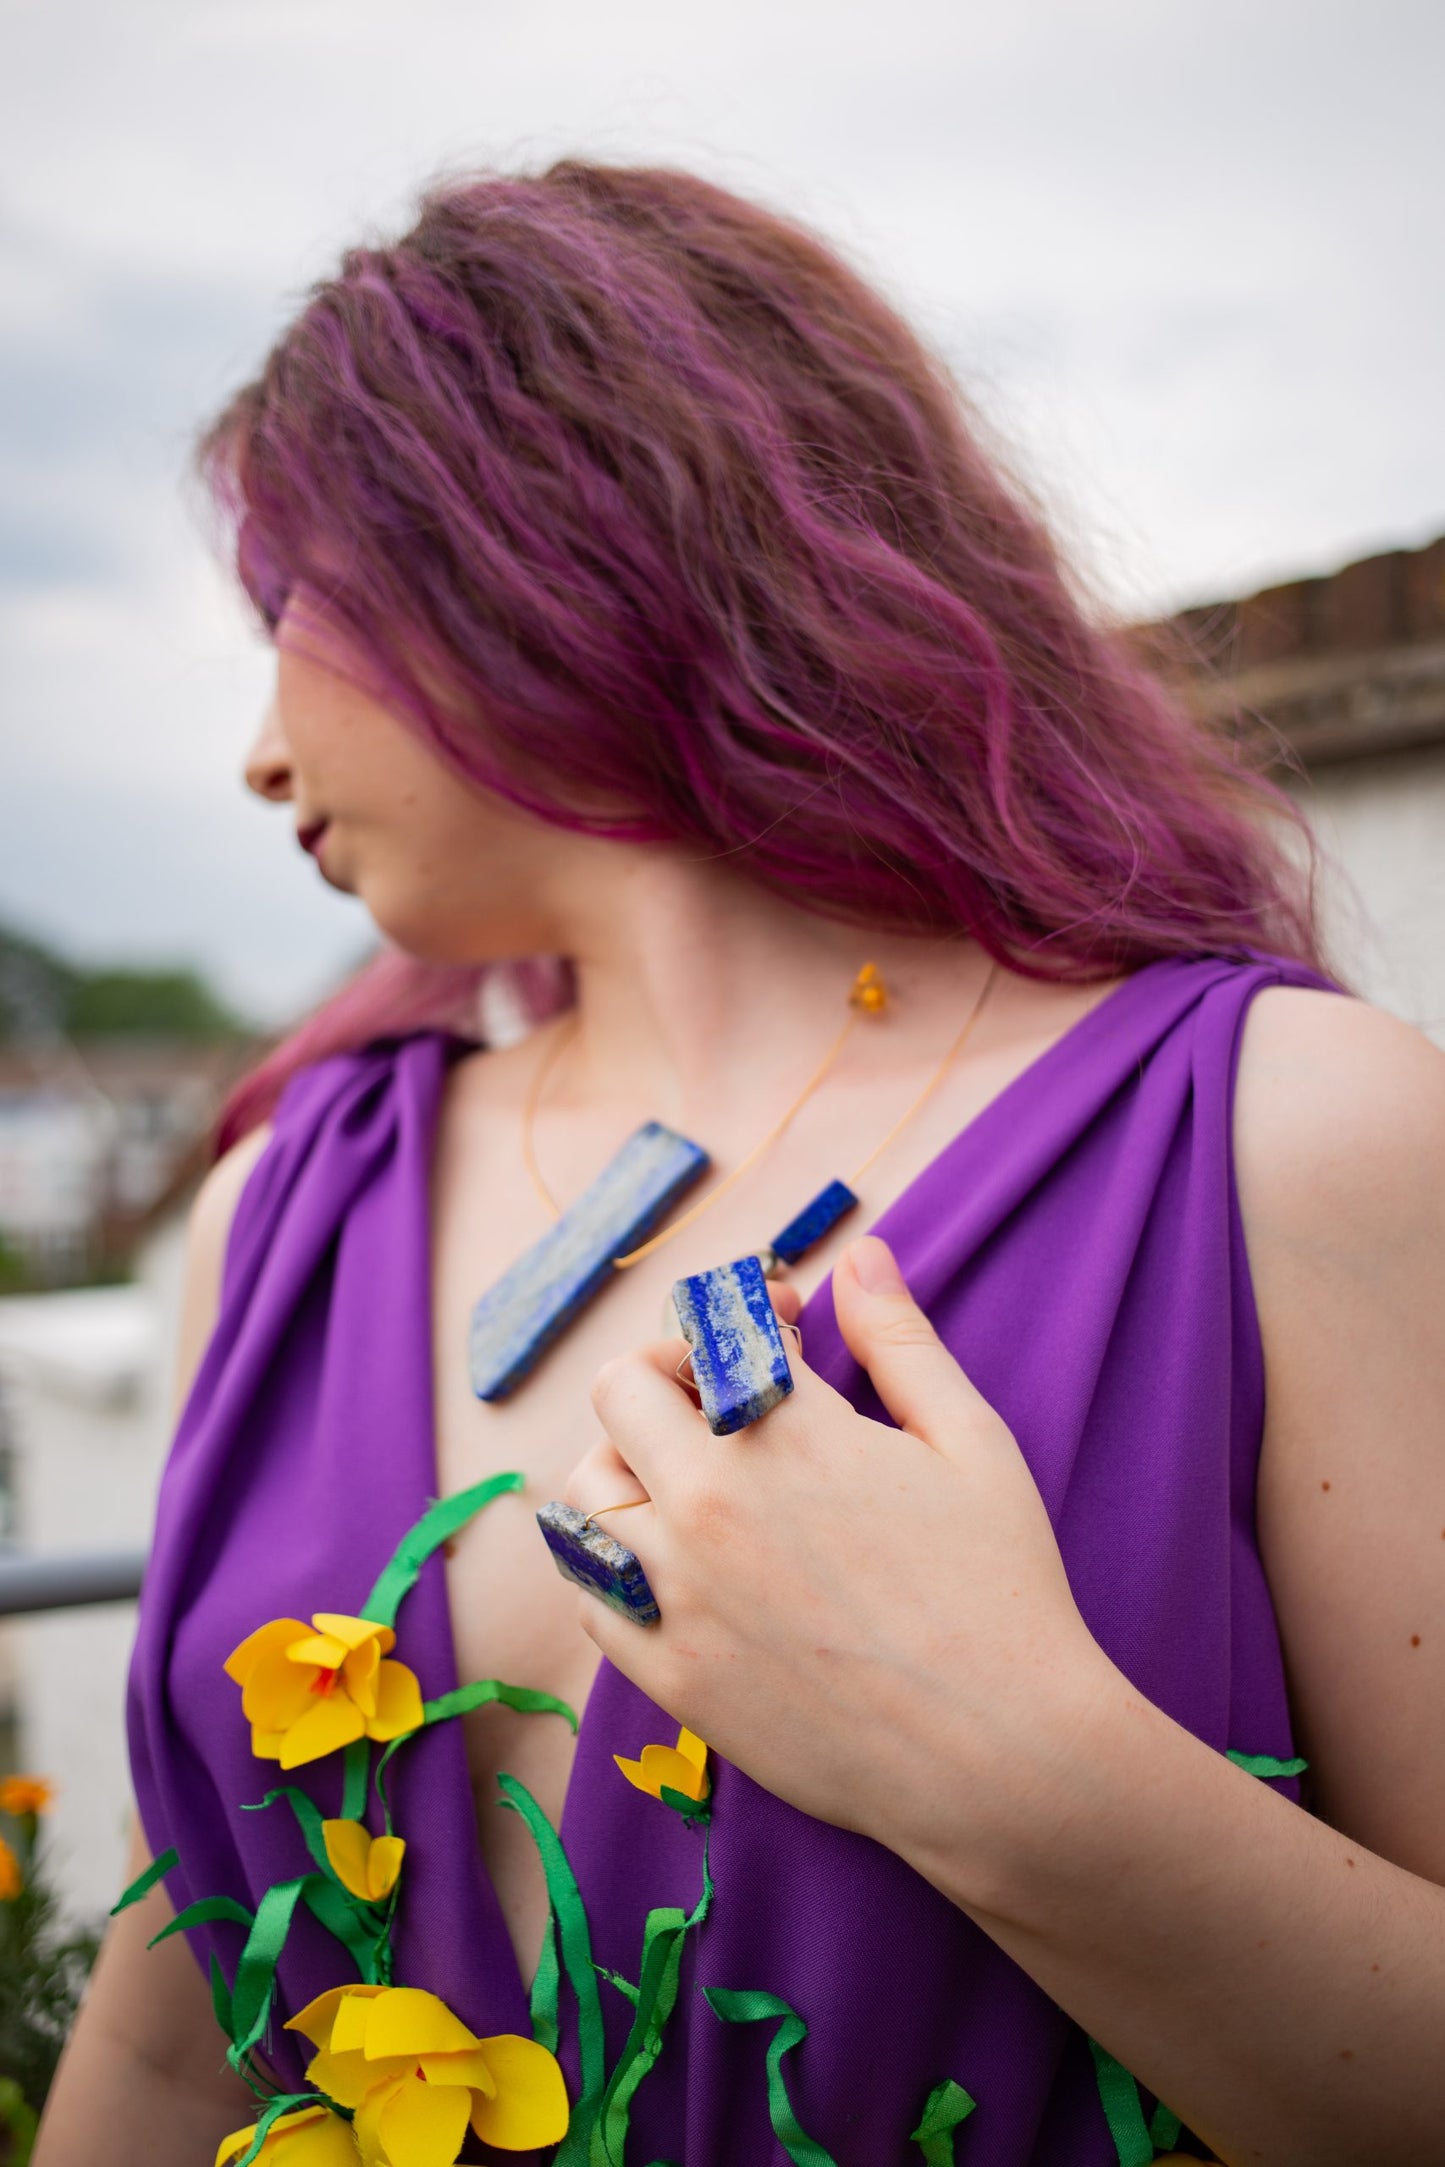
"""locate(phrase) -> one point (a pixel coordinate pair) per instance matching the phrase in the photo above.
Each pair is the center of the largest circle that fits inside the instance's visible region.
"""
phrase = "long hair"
(652, 516)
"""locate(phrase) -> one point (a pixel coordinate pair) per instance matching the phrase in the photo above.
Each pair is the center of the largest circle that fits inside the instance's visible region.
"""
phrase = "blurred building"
(1349, 670)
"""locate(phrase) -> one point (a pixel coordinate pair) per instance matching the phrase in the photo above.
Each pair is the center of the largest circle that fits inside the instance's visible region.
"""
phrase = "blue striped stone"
(738, 1360)
(537, 1297)
(813, 1222)
(599, 1563)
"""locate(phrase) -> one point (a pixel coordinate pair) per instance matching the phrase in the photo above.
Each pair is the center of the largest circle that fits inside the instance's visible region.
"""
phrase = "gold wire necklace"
(610, 1226)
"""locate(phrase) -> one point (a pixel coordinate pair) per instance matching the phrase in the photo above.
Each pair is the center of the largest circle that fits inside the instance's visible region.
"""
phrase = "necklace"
(610, 1226)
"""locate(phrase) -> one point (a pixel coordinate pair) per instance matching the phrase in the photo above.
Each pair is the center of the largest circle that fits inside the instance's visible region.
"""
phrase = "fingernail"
(874, 1268)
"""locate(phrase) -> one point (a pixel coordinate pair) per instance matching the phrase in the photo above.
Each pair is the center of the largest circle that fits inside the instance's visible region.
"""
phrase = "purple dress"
(1078, 1246)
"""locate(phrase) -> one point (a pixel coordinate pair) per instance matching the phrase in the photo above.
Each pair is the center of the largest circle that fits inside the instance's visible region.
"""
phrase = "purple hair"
(653, 517)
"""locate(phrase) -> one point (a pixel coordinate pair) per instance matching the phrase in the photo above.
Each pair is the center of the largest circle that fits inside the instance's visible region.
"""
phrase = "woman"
(640, 599)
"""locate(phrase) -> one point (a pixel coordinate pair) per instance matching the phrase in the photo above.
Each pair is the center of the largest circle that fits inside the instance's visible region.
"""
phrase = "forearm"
(1282, 1989)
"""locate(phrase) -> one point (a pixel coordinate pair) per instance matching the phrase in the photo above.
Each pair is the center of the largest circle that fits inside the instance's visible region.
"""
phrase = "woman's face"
(448, 871)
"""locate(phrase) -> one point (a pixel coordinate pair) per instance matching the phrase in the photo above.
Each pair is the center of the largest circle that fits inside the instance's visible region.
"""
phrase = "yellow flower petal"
(664, 1766)
(470, 2069)
(408, 2020)
(327, 1725)
(25, 1794)
(367, 2125)
(266, 1745)
(320, 1649)
(359, 1676)
(317, 2020)
(354, 1631)
(307, 2137)
(398, 1703)
(422, 2125)
(384, 1864)
(346, 2078)
(348, 2033)
(267, 1639)
(530, 2108)
(348, 1854)
(691, 1747)
(276, 1694)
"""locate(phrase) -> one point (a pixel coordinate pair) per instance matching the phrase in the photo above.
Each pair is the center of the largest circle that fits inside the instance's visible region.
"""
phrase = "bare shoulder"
(1339, 1108)
(207, 1233)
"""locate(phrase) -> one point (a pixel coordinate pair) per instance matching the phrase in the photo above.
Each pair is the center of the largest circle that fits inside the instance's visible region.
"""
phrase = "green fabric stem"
(255, 1986)
(144, 1883)
(947, 2105)
(284, 2103)
(482, 1693)
(1165, 2128)
(403, 1569)
(220, 1995)
(624, 1987)
(308, 1820)
(662, 1944)
(352, 1924)
(356, 1774)
(1123, 2109)
(204, 1913)
(575, 1937)
(543, 2004)
(1265, 1765)
(691, 1809)
(752, 2008)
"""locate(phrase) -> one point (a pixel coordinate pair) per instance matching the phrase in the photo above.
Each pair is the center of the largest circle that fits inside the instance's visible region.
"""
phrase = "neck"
(701, 996)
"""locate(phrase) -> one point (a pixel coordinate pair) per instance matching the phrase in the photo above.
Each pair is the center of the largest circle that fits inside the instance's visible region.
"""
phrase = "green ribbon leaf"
(144, 1883)
(482, 1692)
(1123, 2109)
(545, 1983)
(1265, 1765)
(255, 1986)
(403, 1569)
(946, 2106)
(308, 1819)
(354, 1926)
(204, 1913)
(220, 1995)
(284, 2103)
(753, 2008)
(575, 1936)
(356, 1768)
(1164, 2128)
(662, 1941)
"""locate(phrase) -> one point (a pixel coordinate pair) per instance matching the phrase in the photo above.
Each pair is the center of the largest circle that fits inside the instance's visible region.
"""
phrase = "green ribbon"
(356, 1766)
(575, 1936)
(308, 1819)
(255, 1986)
(144, 1883)
(355, 1926)
(284, 2103)
(204, 1913)
(1123, 2111)
(403, 1569)
(1164, 2128)
(946, 2106)
(754, 2008)
(220, 1995)
(662, 1944)
(1265, 1765)
(543, 2004)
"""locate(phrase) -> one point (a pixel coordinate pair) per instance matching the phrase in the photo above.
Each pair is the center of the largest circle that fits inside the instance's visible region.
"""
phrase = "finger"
(653, 1422)
(913, 1373)
(601, 1477)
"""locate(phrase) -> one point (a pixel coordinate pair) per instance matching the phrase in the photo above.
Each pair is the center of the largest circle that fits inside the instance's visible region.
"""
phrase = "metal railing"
(64, 1580)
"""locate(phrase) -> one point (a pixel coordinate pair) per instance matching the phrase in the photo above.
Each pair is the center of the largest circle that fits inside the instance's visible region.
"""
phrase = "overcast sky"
(1187, 253)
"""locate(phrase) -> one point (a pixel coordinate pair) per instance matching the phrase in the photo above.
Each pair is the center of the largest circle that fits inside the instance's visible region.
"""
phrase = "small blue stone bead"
(813, 1222)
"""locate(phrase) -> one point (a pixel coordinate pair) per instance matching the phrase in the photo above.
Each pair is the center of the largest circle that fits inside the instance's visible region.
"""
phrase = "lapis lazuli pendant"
(537, 1297)
(739, 1363)
(597, 1562)
(812, 1223)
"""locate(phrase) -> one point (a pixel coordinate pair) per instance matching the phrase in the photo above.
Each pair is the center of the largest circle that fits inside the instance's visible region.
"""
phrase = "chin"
(429, 937)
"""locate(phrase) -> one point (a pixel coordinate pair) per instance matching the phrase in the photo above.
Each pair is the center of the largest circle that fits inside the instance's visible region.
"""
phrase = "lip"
(309, 836)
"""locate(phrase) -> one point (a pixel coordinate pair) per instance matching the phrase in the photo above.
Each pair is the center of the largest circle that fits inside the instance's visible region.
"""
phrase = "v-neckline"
(963, 1142)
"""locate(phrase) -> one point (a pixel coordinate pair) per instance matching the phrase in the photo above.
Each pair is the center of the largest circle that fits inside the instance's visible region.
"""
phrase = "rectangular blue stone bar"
(537, 1297)
(597, 1562)
(813, 1222)
(738, 1359)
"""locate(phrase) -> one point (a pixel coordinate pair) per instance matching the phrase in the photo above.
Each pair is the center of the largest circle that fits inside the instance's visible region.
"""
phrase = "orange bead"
(869, 991)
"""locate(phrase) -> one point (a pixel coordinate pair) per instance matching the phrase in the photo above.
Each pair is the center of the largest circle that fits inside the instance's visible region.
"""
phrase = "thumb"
(885, 1331)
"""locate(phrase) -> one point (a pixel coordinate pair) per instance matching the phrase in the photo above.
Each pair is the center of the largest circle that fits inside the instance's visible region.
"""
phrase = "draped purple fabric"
(1078, 1246)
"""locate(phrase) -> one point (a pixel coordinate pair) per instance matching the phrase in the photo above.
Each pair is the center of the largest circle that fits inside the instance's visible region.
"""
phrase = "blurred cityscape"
(110, 1082)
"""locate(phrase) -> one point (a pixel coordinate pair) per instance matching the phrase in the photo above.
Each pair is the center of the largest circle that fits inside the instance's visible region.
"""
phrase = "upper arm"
(1340, 1156)
(207, 1233)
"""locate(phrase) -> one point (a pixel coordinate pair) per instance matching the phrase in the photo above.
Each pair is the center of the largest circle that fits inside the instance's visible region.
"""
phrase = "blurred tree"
(44, 997)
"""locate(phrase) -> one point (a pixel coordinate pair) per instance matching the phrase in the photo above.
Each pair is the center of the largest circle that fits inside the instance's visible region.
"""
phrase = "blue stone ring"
(593, 1560)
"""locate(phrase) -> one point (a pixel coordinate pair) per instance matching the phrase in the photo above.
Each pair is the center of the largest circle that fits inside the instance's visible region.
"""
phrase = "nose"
(268, 763)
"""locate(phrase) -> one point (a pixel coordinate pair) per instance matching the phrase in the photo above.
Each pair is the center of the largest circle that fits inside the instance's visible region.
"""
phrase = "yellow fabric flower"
(307, 2137)
(367, 1865)
(12, 1881)
(308, 1689)
(25, 1794)
(416, 2077)
(682, 1767)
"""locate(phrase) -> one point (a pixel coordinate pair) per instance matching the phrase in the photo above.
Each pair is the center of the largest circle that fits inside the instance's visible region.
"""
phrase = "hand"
(874, 1623)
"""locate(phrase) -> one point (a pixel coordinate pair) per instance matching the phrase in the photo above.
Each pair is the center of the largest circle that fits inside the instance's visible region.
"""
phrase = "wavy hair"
(652, 516)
